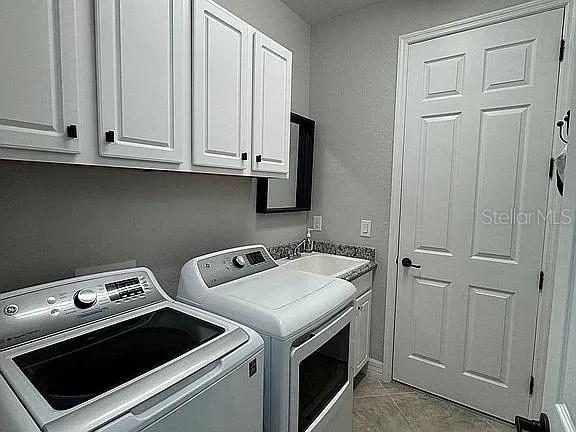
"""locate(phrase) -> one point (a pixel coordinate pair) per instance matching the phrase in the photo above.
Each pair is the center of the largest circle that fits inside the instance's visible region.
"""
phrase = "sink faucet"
(307, 242)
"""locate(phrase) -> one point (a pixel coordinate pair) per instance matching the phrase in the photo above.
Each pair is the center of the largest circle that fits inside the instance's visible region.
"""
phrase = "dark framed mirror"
(293, 194)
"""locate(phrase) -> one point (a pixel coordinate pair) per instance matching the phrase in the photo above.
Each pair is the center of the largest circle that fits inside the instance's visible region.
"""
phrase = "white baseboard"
(374, 368)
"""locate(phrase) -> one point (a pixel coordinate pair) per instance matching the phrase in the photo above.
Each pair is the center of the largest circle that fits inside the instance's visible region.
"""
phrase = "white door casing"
(222, 69)
(39, 75)
(559, 400)
(271, 105)
(137, 85)
(478, 134)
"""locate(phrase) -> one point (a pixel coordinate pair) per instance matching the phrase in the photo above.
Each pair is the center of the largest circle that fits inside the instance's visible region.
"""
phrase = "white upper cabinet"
(139, 79)
(272, 104)
(222, 67)
(38, 75)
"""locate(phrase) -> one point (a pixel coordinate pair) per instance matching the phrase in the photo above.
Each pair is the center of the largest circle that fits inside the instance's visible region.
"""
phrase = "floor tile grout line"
(402, 413)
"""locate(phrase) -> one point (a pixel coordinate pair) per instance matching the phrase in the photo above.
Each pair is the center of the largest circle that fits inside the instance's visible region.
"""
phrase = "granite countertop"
(359, 271)
(362, 252)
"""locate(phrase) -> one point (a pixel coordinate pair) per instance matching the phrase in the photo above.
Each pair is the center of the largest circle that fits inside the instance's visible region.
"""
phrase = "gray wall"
(352, 95)
(54, 219)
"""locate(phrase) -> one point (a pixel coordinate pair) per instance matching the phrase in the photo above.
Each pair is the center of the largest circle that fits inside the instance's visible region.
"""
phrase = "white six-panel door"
(272, 102)
(222, 70)
(38, 77)
(478, 137)
(137, 87)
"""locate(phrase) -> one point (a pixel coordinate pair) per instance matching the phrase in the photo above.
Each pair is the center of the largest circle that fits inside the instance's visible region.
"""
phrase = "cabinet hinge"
(541, 281)
(531, 385)
(562, 49)
(551, 168)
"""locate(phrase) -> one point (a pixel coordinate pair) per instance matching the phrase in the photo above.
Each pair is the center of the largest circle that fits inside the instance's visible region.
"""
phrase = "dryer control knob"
(85, 298)
(239, 261)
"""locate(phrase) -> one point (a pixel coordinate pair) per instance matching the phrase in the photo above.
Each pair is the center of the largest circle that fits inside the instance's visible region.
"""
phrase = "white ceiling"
(315, 11)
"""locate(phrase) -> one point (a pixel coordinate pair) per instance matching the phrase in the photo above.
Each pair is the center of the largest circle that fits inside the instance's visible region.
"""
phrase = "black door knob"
(407, 262)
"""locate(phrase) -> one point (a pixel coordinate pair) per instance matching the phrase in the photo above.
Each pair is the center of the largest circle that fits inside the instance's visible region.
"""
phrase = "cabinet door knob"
(110, 136)
(259, 158)
(244, 156)
(72, 131)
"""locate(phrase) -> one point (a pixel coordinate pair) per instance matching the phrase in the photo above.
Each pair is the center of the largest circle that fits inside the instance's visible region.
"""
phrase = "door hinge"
(562, 49)
(541, 281)
(551, 168)
(531, 385)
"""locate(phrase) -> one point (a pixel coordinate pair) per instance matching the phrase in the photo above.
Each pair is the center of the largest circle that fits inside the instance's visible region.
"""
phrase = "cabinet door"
(272, 104)
(222, 67)
(137, 70)
(363, 310)
(38, 76)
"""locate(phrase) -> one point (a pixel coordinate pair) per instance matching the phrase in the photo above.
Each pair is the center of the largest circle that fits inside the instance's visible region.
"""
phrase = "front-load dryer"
(306, 323)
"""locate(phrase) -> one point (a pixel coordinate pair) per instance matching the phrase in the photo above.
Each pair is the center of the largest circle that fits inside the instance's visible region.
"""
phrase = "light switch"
(317, 223)
(365, 228)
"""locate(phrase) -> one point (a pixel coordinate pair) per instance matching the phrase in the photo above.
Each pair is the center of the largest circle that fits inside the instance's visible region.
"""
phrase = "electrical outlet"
(365, 228)
(317, 223)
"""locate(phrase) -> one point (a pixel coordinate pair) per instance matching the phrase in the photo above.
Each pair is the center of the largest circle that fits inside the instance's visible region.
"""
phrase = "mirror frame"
(305, 168)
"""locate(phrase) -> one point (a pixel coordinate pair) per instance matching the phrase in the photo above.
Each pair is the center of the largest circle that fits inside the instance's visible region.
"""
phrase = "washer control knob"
(85, 298)
(239, 261)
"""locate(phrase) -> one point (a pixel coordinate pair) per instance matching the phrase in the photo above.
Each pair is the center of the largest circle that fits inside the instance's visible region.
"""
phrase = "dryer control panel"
(227, 266)
(36, 312)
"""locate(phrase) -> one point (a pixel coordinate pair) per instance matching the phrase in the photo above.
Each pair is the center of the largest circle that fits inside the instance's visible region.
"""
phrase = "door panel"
(439, 135)
(478, 137)
(38, 82)
(221, 105)
(500, 180)
(428, 326)
(136, 78)
(272, 104)
(487, 344)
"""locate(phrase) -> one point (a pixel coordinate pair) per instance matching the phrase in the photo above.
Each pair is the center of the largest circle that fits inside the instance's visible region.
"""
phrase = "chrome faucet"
(307, 242)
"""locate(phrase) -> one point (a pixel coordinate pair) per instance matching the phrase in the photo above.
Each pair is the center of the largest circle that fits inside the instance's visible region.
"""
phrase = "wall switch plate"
(317, 225)
(365, 228)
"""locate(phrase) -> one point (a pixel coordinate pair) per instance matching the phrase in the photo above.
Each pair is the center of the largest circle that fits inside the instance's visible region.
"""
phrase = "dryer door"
(320, 374)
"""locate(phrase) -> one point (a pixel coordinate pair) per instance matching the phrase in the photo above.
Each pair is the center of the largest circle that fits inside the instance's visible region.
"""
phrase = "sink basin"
(324, 264)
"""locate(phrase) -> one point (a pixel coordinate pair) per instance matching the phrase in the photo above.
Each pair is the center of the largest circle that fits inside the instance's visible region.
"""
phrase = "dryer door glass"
(78, 369)
(322, 375)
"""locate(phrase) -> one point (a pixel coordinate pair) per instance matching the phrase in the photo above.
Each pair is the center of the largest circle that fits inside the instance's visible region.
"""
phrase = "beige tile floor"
(393, 407)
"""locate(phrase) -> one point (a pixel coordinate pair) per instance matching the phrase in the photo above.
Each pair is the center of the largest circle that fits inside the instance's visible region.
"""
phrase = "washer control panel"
(229, 266)
(32, 313)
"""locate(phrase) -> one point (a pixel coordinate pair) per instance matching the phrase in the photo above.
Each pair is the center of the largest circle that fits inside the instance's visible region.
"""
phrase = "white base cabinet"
(363, 311)
(176, 85)
(363, 305)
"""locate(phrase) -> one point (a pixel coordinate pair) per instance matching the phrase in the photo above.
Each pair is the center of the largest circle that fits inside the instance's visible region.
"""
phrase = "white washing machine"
(113, 353)
(306, 321)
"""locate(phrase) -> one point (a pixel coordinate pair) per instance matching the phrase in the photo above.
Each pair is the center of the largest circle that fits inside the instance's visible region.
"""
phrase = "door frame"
(567, 68)
(565, 279)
